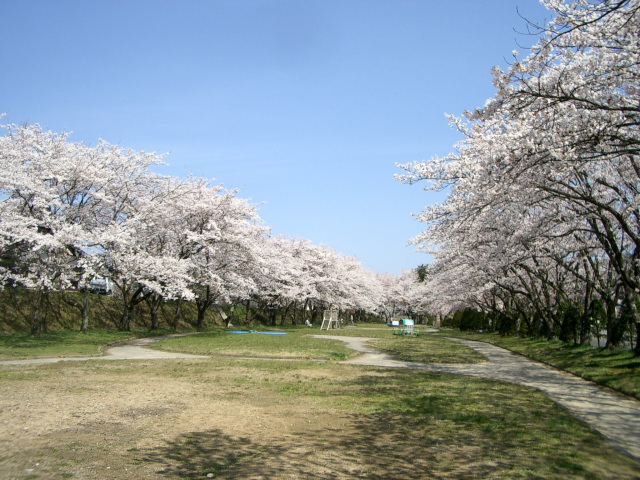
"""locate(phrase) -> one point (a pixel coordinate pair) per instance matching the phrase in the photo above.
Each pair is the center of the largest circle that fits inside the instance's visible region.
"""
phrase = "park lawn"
(62, 343)
(617, 369)
(421, 348)
(229, 418)
(297, 343)
(427, 349)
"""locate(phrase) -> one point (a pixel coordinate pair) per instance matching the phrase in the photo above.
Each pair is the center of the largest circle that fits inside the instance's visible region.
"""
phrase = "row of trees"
(542, 219)
(69, 213)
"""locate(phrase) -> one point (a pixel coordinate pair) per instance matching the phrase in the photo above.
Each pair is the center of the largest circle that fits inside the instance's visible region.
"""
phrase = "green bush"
(472, 319)
(467, 319)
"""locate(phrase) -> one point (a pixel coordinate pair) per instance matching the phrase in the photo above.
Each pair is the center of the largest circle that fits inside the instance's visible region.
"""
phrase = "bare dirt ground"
(124, 420)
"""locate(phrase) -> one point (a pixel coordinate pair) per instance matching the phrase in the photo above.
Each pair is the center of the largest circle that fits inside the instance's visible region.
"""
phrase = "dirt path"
(615, 416)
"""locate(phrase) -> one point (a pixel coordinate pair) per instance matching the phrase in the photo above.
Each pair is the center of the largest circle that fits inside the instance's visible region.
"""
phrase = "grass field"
(275, 416)
(61, 343)
(423, 348)
(295, 344)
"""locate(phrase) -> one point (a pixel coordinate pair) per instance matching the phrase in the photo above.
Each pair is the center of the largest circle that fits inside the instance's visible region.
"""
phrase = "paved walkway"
(615, 416)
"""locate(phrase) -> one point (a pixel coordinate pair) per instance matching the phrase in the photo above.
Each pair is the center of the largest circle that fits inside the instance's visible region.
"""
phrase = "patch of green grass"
(522, 425)
(61, 343)
(617, 369)
(297, 343)
(428, 349)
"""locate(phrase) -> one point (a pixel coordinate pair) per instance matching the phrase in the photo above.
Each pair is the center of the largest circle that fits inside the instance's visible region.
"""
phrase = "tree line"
(541, 225)
(70, 213)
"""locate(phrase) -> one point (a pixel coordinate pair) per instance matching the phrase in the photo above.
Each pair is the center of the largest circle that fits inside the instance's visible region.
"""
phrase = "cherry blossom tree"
(72, 212)
(223, 239)
(547, 176)
(50, 196)
(294, 274)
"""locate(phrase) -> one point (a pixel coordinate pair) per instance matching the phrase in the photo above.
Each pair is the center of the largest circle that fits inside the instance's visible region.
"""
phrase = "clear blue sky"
(304, 105)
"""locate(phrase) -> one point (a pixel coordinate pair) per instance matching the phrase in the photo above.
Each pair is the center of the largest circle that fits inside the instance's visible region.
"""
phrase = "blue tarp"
(253, 331)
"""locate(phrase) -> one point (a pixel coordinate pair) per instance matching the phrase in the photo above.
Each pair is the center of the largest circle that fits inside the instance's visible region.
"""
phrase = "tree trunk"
(295, 312)
(633, 315)
(130, 301)
(223, 316)
(617, 324)
(202, 305)
(283, 319)
(125, 320)
(304, 310)
(200, 319)
(154, 317)
(36, 315)
(154, 302)
(585, 322)
(247, 320)
(201, 308)
(84, 326)
(610, 305)
(314, 314)
(177, 315)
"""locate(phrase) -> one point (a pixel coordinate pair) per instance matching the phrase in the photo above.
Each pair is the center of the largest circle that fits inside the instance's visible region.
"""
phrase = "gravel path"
(614, 415)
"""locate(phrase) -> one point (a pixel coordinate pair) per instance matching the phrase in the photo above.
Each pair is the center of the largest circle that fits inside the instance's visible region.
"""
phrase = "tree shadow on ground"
(372, 449)
(410, 432)
(197, 454)
(375, 446)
